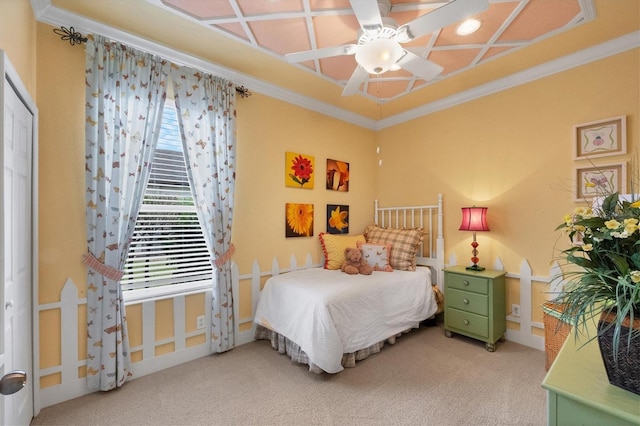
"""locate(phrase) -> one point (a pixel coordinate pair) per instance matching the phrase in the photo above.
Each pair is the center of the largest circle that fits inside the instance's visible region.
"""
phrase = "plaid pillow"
(404, 244)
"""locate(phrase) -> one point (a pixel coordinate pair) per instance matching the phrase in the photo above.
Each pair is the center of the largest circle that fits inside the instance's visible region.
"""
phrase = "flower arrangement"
(603, 273)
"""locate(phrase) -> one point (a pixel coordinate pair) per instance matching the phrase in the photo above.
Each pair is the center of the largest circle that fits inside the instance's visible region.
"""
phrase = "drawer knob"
(466, 322)
(465, 301)
(465, 282)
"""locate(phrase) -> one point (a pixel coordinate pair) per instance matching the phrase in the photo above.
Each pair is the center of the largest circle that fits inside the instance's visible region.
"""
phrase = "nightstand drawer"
(468, 283)
(467, 322)
(475, 304)
(467, 301)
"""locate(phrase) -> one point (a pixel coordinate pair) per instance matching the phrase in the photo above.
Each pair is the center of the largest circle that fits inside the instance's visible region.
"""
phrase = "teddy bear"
(354, 263)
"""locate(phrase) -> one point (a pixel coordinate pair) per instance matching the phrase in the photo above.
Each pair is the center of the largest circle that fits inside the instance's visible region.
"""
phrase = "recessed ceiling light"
(469, 26)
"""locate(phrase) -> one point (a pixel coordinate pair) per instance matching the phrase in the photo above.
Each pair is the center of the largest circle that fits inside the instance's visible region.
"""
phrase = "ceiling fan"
(378, 47)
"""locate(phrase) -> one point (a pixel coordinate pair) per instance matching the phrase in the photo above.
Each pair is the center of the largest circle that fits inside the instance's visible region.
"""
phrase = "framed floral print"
(337, 175)
(298, 220)
(595, 181)
(299, 170)
(337, 219)
(600, 138)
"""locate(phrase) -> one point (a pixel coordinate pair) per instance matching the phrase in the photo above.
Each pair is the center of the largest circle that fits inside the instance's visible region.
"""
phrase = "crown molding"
(576, 59)
(45, 12)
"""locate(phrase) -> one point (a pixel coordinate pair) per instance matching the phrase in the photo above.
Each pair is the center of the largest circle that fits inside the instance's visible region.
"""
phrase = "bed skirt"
(285, 346)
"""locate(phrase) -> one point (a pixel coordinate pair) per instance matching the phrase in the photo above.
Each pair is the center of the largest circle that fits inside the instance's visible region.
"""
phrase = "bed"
(328, 320)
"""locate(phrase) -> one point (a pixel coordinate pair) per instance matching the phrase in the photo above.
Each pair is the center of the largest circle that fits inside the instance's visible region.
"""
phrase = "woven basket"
(555, 331)
(626, 373)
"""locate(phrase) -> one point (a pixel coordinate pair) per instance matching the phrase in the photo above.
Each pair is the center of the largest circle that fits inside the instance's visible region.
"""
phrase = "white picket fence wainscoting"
(71, 386)
(554, 286)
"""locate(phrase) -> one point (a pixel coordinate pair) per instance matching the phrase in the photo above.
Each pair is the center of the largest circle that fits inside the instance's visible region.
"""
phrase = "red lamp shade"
(474, 219)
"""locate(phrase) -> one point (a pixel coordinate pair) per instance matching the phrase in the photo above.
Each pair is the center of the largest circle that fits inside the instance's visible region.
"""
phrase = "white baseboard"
(531, 340)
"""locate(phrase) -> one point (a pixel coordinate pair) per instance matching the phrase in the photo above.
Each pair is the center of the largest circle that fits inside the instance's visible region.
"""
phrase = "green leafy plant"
(602, 268)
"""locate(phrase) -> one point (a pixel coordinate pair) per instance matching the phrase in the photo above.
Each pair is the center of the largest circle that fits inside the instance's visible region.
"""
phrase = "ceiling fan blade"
(368, 15)
(421, 67)
(325, 52)
(450, 13)
(357, 78)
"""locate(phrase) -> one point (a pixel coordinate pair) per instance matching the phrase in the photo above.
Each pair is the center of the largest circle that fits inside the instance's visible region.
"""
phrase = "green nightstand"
(475, 304)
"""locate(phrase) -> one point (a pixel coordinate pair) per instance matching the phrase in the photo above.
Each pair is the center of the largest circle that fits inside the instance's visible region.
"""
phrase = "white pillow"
(376, 255)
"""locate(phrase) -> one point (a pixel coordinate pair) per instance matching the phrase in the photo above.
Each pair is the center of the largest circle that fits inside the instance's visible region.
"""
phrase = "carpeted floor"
(424, 379)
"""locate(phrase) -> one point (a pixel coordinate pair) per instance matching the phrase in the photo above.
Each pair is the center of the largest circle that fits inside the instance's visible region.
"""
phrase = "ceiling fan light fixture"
(469, 26)
(379, 55)
(403, 34)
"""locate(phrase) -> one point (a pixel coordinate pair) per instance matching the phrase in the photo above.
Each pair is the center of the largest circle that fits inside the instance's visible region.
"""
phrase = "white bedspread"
(328, 313)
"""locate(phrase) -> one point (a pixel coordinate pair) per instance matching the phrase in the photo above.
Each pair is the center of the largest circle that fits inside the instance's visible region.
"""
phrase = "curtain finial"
(243, 92)
(70, 34)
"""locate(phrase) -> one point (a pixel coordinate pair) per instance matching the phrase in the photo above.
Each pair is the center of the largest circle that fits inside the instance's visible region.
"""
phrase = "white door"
(16, 255)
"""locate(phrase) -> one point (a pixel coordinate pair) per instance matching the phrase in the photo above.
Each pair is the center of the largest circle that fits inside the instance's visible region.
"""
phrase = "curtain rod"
(75, 37)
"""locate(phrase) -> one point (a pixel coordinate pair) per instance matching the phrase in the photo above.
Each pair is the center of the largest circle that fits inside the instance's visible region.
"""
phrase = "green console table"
(579, 393)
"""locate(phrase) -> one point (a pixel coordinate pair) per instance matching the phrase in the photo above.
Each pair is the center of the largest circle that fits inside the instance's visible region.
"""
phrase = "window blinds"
(168, 246)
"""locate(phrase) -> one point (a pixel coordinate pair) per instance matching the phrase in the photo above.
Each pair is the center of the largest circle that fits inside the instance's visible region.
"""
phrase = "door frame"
(9, 73)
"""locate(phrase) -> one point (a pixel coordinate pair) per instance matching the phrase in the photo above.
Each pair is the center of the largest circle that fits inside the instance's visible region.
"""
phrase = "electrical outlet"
(515, 310)
(200, 322)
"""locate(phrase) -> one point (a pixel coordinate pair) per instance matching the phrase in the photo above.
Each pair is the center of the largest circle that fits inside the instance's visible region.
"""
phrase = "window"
(168, 253)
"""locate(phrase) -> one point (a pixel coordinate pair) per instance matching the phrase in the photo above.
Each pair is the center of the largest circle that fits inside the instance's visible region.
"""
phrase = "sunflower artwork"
(337, 219)
(298, 220)
(298, 171)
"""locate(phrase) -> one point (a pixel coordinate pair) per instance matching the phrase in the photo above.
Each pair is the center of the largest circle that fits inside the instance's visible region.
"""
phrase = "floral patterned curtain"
(206, 114)
(125, 93)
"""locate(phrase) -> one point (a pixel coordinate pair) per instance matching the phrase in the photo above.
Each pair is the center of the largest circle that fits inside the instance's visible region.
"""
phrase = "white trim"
(155, 364)
(131, 297)
(179, 323)
(69, 321)
(49, 14)
(45, 12)
(148, 330)
(576, 59)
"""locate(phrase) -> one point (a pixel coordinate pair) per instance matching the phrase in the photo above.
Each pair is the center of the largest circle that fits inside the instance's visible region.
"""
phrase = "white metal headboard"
(429, 218)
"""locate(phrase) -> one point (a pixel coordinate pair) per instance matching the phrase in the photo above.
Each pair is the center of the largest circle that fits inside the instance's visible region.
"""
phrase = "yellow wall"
(18, 40)
(61, 103)
(266, 129)
(511, 151)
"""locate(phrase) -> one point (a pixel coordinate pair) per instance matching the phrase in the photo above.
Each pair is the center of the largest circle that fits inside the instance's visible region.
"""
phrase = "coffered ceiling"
(246, 41)
(280, 27)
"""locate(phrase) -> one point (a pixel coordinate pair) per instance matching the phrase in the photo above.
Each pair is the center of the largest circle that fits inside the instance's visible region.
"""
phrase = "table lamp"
(474, 219)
